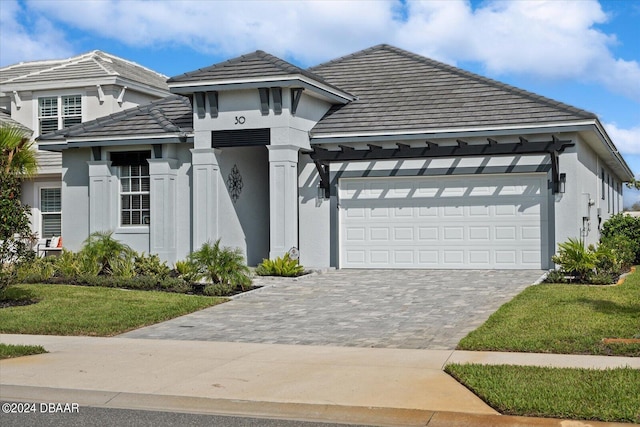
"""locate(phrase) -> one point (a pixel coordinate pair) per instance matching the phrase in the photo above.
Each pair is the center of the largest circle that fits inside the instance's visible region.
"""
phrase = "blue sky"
(585, 53)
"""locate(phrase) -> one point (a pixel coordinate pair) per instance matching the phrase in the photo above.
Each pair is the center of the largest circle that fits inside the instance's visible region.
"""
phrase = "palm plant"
(221, 265)
(101, 249)
(18, 154)
(17, 161)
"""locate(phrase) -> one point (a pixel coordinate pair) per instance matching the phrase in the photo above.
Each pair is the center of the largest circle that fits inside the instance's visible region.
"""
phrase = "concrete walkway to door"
(411, 309)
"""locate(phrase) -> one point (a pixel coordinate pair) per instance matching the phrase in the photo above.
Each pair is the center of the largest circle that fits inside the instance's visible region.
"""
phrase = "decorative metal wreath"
(234, 183)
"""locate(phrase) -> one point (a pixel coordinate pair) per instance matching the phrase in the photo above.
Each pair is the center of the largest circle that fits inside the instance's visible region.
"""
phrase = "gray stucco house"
(48, 95)
(379, 159)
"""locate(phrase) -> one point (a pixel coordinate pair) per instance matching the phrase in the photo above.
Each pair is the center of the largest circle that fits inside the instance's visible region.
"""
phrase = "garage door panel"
(424, 222)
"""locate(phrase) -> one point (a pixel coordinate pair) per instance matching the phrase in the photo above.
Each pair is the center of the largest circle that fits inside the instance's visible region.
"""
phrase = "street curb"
(397, 417)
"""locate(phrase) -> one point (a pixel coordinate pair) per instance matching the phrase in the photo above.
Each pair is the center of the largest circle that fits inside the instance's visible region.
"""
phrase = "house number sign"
(239, 120)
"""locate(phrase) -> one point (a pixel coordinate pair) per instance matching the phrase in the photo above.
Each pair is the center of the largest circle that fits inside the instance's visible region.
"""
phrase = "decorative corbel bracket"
(120, 98)
(100, 94)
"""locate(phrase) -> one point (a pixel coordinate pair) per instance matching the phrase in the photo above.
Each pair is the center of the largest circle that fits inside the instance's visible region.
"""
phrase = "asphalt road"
(88, 416)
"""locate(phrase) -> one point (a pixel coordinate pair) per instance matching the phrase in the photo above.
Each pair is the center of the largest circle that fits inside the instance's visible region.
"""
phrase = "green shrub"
(603, 278)
(151, 265)
(36, 271)
(221, 265)
(218, 289)
(141, 283)
(627, 226)
(623, 249)
(281, 266)
(68, 264)
(574, 259)
(123, 267)
(102, 249)
(556, 276)
(187, 270)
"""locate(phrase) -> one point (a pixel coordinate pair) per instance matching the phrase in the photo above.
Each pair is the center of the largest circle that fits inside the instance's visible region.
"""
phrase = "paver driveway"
(415, 309)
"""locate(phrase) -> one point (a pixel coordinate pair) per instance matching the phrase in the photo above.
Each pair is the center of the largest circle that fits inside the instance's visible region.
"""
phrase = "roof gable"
(171, 115)
(258, 64)
(253, 70)
(91, 65)
(399, 91)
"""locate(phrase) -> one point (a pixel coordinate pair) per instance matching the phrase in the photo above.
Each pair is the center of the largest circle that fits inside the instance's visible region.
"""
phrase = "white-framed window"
(133, 172)
(50, 212)
(57, 112)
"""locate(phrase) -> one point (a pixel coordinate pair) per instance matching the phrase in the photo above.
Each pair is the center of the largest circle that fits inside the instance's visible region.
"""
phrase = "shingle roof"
(48, 162)
(258, 64)
(401, 91)
(170, 115)
(5, 118)
(94, 64)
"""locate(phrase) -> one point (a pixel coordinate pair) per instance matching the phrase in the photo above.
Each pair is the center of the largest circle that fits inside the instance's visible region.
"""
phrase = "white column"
(100, 196)
(283, 199)
(162, 226)
(206, 178)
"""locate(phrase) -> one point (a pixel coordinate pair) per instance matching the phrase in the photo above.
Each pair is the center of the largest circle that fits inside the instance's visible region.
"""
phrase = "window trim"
(41, 213)
(117, 169)
(60, 117)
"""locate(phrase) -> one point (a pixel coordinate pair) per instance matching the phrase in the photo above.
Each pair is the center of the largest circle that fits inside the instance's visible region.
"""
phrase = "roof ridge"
(135, 64)
(108, 70)
(46, 61)
(216, 65)
(521, 92)
(158, 115)
(350, 55)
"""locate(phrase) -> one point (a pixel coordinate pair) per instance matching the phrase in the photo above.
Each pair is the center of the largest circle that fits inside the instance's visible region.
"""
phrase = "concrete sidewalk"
(339, 384)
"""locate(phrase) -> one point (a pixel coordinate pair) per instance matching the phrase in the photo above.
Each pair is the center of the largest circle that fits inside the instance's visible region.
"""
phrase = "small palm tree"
(17, 161)
(18, 154)
(221, 265)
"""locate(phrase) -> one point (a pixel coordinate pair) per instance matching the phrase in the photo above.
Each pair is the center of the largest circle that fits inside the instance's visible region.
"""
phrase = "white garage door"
(478, 221)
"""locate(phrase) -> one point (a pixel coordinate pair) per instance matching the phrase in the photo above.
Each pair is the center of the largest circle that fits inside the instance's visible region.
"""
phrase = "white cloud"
(547, 39)
(18, 43)
(626, 140)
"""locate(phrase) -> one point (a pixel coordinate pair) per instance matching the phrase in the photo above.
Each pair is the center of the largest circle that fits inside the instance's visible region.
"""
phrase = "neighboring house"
(379, 159)
(45, 96)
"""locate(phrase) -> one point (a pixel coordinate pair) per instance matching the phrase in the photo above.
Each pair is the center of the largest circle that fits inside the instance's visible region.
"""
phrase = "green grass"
(94, 311)
(8, 351)
(570, 319)
(586, 394)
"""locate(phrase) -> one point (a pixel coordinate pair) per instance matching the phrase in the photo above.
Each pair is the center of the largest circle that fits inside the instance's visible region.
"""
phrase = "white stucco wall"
(244, 223)
(75, 197)
(315, 218)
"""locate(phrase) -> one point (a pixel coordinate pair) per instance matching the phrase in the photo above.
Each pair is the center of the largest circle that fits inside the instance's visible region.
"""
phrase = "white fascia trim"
(606, 140)
(126, 138)
(295, 77)
(43, 144)
(103, 81)
(549, 127)
(62, 84)
(139, 87)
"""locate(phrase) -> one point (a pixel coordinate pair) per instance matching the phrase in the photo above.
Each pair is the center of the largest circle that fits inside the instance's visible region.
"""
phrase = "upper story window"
(57, 112)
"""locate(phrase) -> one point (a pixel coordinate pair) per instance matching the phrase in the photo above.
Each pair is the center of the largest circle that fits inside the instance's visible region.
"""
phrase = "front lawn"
(586, 394)
(570, 319)
(8, 351)
(94, 311)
